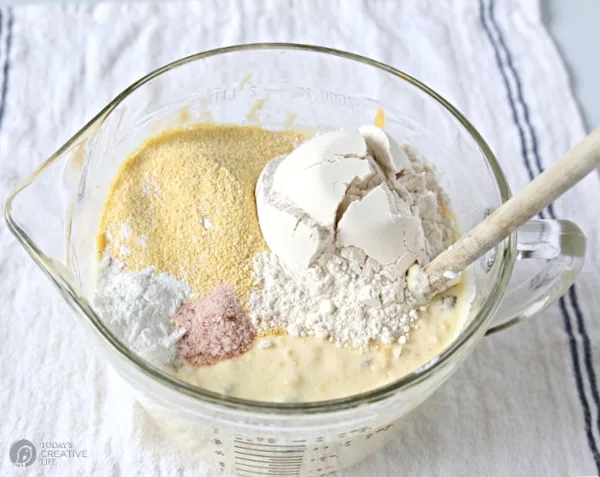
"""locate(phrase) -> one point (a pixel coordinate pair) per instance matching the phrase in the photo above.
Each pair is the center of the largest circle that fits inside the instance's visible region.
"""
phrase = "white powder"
(345, 296)
(150, 187)
(143, 241)
(125, 231)
(137, 307)
(420, 188)
(337, 299)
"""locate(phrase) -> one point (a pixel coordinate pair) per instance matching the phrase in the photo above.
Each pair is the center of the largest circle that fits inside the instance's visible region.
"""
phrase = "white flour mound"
(337, 299)
(345, 296)
(137, 307)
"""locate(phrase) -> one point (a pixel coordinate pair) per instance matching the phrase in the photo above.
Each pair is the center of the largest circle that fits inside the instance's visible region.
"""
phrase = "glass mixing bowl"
(55, 214)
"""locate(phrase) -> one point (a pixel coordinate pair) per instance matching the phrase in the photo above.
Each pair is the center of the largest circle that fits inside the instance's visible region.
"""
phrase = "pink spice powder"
(218, 327)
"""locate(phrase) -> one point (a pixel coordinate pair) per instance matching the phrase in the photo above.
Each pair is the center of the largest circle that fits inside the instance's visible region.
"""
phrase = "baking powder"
(137, 307)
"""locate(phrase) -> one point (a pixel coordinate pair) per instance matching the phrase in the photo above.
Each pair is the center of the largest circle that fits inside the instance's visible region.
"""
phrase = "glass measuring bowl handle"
(558, 247)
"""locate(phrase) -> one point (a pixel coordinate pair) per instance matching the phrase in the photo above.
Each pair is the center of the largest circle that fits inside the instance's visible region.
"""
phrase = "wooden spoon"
(438, 275)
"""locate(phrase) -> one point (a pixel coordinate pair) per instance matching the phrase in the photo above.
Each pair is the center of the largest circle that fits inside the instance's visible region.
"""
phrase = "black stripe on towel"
(6, 64)
(522, 129)
(572, 294)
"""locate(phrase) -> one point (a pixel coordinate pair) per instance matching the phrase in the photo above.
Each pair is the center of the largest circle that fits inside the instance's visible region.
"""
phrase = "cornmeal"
(184, 204)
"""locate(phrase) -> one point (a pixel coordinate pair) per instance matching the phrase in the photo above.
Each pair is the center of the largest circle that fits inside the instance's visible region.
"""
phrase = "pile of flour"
(341, 293)
(342, 299)
(137, 307)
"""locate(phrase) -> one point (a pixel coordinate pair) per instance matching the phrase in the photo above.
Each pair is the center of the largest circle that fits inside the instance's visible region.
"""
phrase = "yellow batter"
(184, 204)
(311, 369)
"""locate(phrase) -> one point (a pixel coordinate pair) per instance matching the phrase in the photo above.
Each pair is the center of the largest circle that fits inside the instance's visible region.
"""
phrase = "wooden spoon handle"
(545, 188)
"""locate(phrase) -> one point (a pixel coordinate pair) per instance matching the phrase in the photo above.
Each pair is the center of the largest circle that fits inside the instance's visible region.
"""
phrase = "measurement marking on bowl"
(287, 470)
(271, 465)
(273, 461)
(255, 459)
(269, 451)
(322, 96)
(269, 468)
(279, 446)
(287, 458)
(282, 455)
(268, 459)
(268, 471)
(253, 474)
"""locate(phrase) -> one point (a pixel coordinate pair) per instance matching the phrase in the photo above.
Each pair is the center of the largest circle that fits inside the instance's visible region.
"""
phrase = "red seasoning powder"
(218, 327)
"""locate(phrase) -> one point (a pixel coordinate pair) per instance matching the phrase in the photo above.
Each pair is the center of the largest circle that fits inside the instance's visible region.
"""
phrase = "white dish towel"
(526, 403)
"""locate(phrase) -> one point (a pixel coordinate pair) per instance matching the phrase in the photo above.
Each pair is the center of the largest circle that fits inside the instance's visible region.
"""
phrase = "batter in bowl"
(269, 265)
(292, 369)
